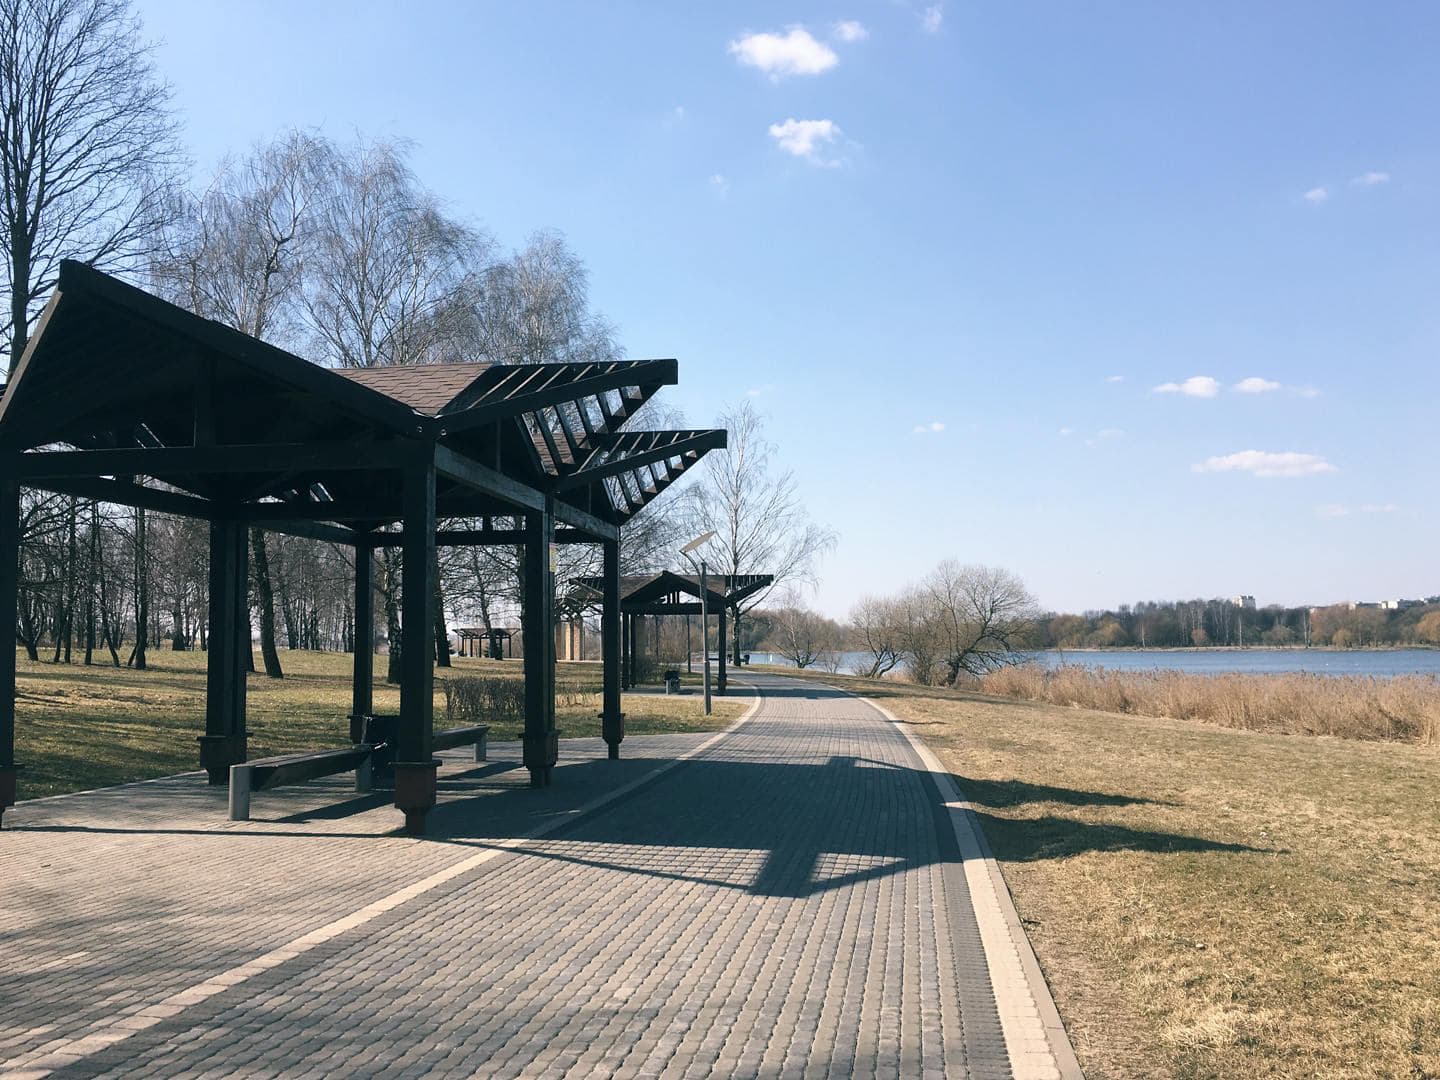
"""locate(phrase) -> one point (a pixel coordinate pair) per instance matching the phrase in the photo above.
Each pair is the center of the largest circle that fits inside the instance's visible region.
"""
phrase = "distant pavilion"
(669, 593)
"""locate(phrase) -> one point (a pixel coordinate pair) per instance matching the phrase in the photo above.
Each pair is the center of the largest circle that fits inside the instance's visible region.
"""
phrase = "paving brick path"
(790, 900)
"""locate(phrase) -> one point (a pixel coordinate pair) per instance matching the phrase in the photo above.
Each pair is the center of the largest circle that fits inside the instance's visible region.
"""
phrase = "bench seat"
(263, 774)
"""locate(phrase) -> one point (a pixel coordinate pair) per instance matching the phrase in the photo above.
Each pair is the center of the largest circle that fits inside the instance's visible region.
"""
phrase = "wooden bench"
(462, 736)
(266, 773)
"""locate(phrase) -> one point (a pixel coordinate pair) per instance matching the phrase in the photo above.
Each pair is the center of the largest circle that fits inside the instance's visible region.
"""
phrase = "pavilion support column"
(624, 652)
(612, 720)
(223, 743)
(414, 764)
(720, 648)
(9, 599)
(541, 741)
(362, 683)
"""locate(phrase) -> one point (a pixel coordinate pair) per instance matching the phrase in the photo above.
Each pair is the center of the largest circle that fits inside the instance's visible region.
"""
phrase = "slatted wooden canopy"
(125, 398)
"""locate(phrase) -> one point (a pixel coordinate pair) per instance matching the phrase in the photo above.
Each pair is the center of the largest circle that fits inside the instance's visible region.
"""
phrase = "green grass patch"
(83, 727)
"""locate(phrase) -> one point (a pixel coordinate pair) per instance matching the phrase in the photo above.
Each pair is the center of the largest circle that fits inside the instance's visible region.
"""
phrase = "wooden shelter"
(477, 641)
(669, 593)
(124, 398)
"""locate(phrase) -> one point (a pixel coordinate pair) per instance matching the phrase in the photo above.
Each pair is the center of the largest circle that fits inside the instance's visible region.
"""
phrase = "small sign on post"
(554, 558)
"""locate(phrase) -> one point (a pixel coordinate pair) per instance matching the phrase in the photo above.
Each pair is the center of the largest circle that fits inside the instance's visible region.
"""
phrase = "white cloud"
(1201, 386)
(795, 52)
(926, 429)
(757, 391)
(1110, 433)
(1370, 179)
(1316, 195)
(1064, 431)
(932, 18)
(1337, 510)
(850, 30)
(806, 138)
(1308, 392)
(675, 116)
(1263, 463)
(1114, 378)
(1256, 385)
(720, 184)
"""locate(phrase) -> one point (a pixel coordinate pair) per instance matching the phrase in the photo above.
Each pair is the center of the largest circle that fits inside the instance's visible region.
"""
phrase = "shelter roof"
(233, 426)
(667, 587)
(426, 388)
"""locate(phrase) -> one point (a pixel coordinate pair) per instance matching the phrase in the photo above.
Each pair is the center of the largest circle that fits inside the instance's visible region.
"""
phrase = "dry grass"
(1208, 902)
(1404, 708)
(79, 727)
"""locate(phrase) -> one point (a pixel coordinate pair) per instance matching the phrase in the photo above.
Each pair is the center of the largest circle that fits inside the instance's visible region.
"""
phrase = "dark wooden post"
(720, 647)
(612, 720)
(414, 765)
(223, 743)
(242, 649)
(541, 748)
(9, 599)
(362, 683)
(624, 651)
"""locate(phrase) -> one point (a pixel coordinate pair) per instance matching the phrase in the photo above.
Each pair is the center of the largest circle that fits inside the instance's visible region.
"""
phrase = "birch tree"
(88, 148)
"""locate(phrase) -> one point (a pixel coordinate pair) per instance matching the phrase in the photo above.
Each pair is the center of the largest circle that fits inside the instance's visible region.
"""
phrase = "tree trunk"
(265, 597)
(442, 634)
(91, 569)
(142, 593)
(389, 590)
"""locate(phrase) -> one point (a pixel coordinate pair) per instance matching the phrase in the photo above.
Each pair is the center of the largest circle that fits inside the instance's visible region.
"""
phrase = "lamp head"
(693, 544)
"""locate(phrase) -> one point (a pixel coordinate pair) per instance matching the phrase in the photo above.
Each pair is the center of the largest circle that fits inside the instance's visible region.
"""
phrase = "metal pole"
(705, 634)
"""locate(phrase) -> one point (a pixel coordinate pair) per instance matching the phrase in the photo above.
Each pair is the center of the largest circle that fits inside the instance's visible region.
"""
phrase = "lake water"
(1219, 661)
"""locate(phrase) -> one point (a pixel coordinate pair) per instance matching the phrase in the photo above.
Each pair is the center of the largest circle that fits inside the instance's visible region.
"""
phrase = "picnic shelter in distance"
(669, 593)
(124, 398)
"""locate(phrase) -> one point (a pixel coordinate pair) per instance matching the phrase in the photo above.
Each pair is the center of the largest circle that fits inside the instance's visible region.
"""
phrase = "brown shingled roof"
(426, 388)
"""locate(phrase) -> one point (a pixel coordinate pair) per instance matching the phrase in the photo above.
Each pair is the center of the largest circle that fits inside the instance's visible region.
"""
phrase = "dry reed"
(1402, 708)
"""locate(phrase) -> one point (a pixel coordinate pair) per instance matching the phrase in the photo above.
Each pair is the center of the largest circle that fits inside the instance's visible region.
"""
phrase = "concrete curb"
(1039, 1046)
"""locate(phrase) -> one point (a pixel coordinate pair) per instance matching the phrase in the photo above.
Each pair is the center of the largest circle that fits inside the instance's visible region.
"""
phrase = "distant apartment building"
(1245, 603)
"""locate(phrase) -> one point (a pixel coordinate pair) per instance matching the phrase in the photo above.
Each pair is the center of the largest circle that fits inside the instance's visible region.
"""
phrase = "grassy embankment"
(1209, 902)
(79, 727)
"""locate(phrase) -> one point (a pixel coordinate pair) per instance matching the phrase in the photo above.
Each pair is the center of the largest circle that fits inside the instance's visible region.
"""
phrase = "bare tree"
(877, 625)
(534, 307)
(979, 617)
(236, 254)
(386, 275)
(760, 524)
(802, 636)
(88, 148)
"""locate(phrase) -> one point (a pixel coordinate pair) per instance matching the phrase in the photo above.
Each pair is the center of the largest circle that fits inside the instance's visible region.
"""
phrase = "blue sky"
(955, 282)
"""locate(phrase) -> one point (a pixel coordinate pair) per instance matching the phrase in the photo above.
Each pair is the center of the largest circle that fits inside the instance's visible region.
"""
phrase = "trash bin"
(672, 682)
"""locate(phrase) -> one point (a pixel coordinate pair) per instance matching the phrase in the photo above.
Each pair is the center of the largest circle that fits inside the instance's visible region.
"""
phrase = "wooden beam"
(126, 493)
(362, 683)
(487, 481)
(483, 538)
(414, 767)
(540, 745)
(228, 458)
(631, 460)
(598, 529)
(612, 720)
(653, 372)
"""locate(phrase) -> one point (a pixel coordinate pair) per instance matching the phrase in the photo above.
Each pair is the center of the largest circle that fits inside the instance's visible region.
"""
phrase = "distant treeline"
(1199, 623)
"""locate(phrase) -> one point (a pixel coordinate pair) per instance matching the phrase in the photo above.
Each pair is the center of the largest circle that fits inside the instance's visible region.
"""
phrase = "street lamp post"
(704, 608)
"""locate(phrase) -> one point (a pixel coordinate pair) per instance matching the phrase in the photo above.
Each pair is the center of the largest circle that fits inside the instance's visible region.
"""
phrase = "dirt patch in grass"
(1207, 902)
(83, 727)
